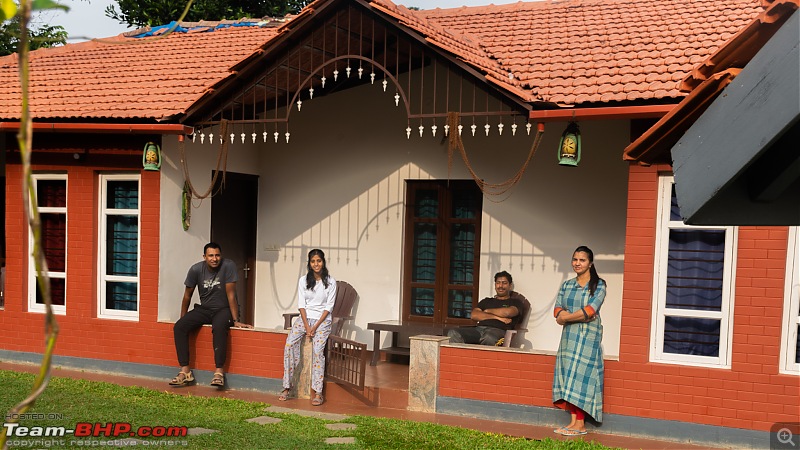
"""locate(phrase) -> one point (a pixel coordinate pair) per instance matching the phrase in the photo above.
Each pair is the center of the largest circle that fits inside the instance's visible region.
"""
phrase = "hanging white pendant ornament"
(473, 127)
(347, 70)
(408, 132)
(421, 129)
(202, 138)
(287, 136)
(433, 129)
(372, 78)
(299, 105)
(360, 72)
(265, 136)
(254, 137)
(460, 129)
(335, 74)
(500, 128)
(220, 139)
(396, 99)
(210, 138)
(243, 135)
(487, 127)
(311, 93)
(385, 83)
(193, 136)
(276, 134)
(233, 138)
(446, 130)
(323, 81)
(528, 127)
(513, 129)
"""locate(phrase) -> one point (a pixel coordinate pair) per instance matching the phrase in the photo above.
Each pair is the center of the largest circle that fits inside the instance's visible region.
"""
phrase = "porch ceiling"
(340, 45)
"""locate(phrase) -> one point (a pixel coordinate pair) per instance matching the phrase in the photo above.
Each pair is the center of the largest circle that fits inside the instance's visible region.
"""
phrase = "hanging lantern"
(569, 149)
(151, 158)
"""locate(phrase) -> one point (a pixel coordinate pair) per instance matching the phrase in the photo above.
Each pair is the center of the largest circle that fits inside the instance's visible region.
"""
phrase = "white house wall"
(340, 185)
(180, 249)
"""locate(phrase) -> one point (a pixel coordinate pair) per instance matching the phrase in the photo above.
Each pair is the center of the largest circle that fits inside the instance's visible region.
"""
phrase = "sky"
(86, 18)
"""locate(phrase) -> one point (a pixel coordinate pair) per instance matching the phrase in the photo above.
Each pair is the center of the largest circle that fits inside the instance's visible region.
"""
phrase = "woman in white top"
(316, 295)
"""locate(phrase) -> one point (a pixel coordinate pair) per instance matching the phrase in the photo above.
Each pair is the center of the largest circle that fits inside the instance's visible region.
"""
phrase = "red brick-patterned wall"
(82, 333)
(752, 394)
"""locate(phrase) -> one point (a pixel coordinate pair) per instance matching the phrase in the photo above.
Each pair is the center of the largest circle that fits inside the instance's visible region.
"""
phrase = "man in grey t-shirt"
(215, 280)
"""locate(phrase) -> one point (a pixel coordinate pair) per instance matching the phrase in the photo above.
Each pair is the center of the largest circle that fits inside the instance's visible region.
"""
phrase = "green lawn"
(67, 402)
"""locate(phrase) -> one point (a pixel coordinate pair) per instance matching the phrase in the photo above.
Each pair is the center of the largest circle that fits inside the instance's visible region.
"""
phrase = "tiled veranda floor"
(386, 377)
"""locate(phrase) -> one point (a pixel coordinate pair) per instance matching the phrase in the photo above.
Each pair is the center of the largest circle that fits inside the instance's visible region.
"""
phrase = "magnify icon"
(785, 436)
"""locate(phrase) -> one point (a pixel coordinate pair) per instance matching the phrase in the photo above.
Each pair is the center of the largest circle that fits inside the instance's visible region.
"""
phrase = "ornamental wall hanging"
(352, 46)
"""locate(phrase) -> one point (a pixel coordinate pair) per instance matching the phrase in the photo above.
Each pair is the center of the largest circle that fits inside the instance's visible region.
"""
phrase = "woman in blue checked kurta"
(578, 378)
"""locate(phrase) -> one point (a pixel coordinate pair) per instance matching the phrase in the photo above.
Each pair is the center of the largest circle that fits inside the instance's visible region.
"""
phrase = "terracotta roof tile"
(569, 52)
(124, 78)
(635, 37)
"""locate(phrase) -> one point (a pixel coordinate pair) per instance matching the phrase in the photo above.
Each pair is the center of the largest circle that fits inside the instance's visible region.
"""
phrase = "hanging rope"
(222, 160)
(456, 144)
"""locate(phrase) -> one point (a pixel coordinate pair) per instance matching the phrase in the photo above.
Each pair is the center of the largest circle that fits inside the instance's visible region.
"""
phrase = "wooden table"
(394, 327)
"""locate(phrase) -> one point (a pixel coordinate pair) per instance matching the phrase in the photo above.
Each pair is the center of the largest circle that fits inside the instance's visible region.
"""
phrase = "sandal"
(571, 432)
(182, 379)
(284, 395)
(218, 380)
(318, 400)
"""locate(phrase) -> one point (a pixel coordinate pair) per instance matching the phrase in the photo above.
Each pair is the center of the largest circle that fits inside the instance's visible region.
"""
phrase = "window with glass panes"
(693, 288)
(790, 344)
(119, 246)
(442, 251)
(51, 202)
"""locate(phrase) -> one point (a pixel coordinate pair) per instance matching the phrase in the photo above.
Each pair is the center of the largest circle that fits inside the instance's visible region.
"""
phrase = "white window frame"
(102, 277)
(660, 311)
(32, 305)
(791, 307)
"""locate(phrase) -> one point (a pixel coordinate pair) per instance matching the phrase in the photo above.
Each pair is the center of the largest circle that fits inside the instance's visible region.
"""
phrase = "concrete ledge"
(492, 348)
(268, 385)
(665, 430)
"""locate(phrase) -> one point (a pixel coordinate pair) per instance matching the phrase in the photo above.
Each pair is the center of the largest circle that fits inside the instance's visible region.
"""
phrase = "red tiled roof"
(567, 53)
(125, 78)
(463, 46)
(588, 51)
(707, 81)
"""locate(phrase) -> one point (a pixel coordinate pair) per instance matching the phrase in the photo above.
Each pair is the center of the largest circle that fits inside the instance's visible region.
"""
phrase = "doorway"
(233, 226)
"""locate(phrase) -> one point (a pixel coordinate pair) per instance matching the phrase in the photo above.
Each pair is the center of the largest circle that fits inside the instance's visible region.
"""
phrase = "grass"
(73, 401)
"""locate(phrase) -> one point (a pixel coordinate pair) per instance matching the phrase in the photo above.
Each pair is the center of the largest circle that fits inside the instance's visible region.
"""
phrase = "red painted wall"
(750, 395)
(84, 335)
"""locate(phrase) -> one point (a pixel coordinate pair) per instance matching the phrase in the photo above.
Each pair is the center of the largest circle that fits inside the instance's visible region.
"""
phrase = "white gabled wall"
(340, 185)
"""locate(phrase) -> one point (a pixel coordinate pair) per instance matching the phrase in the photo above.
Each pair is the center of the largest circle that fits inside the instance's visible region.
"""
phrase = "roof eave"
(654, 145)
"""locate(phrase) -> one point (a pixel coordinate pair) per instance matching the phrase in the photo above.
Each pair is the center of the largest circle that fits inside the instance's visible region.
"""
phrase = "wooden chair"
(346, 297)
(523, 314)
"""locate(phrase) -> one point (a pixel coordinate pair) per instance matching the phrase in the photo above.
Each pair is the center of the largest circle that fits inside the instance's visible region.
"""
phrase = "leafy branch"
(8, 10)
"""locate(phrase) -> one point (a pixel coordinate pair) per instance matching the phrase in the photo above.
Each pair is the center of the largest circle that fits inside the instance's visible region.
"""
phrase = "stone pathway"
(265, 420)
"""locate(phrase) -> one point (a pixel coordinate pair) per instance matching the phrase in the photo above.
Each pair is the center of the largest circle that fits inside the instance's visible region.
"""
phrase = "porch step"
(378, 397)
(385, 386)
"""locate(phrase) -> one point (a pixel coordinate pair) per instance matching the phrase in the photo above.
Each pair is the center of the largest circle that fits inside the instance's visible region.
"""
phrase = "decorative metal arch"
(268, 87)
